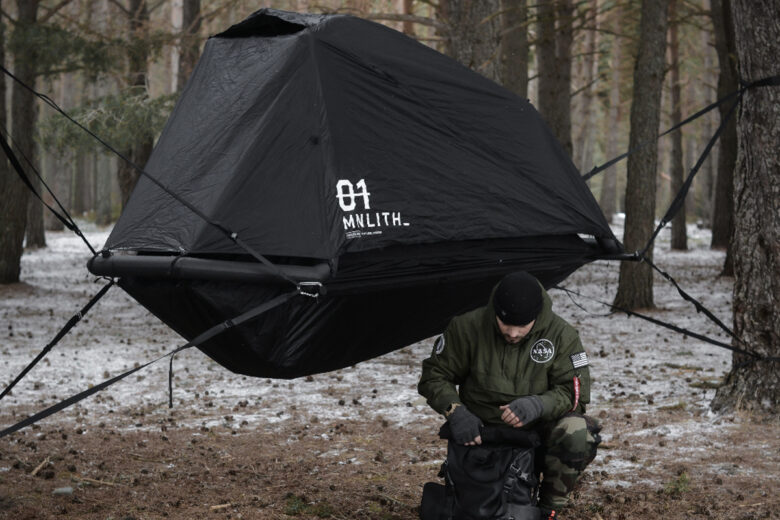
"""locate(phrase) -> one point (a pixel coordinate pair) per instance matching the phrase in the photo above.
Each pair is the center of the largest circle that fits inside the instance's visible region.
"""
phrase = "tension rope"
(677, 204)
(679, 198)
(72, 322)
(68, 222)
(231, 235)
(681, 330)
(66, 219)
(739, 93)
(201, 338)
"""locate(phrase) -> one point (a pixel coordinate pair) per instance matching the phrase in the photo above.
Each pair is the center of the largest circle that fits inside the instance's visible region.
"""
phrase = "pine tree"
(635, 286)
(753, 384)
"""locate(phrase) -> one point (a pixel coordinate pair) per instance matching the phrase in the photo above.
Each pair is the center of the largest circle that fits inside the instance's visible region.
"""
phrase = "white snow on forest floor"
(638, 368)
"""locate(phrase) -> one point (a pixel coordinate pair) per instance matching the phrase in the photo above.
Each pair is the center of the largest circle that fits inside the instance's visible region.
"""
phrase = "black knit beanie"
(518, 299)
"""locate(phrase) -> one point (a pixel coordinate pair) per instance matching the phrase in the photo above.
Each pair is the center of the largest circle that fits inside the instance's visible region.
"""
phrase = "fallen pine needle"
(391, 499)
(95, 481)
(39, 467)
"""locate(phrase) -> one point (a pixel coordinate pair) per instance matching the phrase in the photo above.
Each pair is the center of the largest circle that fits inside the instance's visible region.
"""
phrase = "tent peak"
(272, 22)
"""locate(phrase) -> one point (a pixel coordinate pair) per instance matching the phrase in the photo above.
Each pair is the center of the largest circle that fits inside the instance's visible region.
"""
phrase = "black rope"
(233, 236)
(201, 338)
(67, 221)
(765, 82)
(681, 330)
(771, 81)
(170, 381)
(679, 199)
(598, 169)
(69, 325)
(581, 307)
(697, 304)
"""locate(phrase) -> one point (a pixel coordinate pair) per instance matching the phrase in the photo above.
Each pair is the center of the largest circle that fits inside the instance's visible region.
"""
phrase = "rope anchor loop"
(310, 289)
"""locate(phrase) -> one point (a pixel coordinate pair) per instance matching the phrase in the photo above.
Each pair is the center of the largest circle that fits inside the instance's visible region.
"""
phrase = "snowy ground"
(651, 386)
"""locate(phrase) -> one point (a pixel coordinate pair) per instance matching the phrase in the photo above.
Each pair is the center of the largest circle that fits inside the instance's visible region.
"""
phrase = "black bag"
(495, 480)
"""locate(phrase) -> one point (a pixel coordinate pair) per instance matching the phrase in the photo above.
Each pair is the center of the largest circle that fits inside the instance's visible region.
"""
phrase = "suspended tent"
(394, 184)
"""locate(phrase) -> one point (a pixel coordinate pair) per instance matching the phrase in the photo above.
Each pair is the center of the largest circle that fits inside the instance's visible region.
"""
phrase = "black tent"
(395, 181)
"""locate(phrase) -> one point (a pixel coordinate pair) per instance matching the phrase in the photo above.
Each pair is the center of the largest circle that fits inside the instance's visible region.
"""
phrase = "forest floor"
(359, 442)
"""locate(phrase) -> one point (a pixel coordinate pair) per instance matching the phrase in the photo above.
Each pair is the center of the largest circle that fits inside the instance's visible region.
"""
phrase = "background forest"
(607, 76)
(690, 430)
(117, 65)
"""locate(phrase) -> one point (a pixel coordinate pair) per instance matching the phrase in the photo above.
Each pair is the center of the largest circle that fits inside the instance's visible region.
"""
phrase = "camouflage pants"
(569, 445)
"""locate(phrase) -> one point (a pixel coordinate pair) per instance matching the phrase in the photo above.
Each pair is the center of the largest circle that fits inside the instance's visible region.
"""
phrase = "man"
(517, 364)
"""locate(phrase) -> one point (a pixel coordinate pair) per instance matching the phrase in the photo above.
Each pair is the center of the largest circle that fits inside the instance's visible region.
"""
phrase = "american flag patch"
(579, 360)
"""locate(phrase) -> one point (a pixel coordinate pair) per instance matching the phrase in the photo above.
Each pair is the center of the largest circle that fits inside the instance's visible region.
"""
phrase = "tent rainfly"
(397, 182)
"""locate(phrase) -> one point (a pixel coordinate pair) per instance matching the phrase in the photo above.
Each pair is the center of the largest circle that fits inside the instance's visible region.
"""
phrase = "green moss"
(674, 407)
(678, 486)
(676, 366)
(298, 505)
(707, 385)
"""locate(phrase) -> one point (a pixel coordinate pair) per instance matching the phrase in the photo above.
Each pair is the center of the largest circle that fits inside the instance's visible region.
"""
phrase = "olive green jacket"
(473, 356)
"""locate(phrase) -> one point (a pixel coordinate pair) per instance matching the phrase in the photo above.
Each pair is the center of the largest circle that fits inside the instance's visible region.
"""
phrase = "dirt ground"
(348, 470)
(358, 443)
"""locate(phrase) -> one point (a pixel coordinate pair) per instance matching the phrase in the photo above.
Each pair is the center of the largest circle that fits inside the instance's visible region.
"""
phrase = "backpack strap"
(521, 471)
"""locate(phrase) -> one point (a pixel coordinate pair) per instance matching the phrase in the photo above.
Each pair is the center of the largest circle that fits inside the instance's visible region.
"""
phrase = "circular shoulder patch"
(542, 351)
(438, 346)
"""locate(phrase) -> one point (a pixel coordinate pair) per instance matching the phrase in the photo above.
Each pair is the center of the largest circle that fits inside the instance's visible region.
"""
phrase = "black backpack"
(494, 480)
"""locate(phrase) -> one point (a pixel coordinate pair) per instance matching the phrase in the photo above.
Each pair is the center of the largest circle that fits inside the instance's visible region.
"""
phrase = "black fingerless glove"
(527, 408)
(464, 425)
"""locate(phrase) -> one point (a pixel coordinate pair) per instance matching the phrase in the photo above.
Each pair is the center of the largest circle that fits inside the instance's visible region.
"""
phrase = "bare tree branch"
(120, 6)
(7, 16)
(156, 6)
(210, 15)
(585, 87)
(53, 10)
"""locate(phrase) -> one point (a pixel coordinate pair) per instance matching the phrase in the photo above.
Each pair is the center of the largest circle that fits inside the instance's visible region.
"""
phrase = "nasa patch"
(542, 351)
(438, 346)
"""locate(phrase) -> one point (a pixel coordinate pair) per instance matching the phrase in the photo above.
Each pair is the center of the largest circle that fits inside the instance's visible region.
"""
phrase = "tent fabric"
(274, 136)
(327, 139)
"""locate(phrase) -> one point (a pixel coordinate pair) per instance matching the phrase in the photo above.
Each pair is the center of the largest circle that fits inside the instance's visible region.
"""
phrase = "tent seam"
(329, 173)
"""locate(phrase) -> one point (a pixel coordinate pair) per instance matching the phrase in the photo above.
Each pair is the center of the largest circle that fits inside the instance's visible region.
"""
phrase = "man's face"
(514, 333)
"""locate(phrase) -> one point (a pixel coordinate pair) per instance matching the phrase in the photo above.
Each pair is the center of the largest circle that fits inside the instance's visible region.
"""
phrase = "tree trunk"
(677, 171)
(53, 176)
(608, 195)
(91, 186)
(34, 233)
(11, 188)
(756, 385)
(78, 189)
(27, 113)
(585, 142)
(407, 27)
(13, 211)
(103, 195)
(189, 48)
(723, 203)
(514, 46)
(554, 58)
(138, 57)
(635, 286)
(473, 36)
(708, 181)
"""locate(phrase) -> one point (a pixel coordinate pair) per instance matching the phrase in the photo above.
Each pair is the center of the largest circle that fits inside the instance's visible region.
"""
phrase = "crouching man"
(514, 365)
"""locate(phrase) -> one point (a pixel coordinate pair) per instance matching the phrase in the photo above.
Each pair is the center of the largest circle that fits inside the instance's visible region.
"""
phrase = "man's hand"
(465, 426)
(521, 411)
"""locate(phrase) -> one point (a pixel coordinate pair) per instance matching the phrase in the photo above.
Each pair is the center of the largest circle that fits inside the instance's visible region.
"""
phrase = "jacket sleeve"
(446, 367)
(563, 395)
